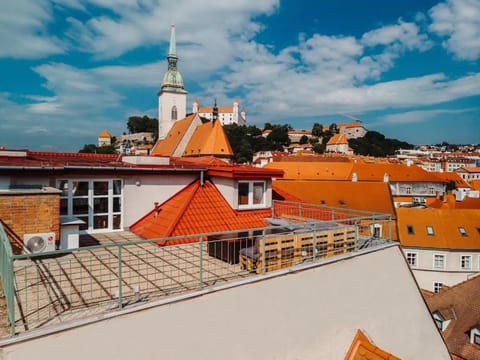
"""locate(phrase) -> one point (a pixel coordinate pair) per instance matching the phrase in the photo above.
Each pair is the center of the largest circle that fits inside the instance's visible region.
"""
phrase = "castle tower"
(172, 97)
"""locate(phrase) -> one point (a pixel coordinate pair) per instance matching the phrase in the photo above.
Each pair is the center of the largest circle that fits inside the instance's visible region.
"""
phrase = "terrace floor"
(86, 282)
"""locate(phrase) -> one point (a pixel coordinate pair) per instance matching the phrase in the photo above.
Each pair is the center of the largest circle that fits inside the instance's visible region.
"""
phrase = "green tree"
(376, 144)
(88, 148)
(137, 124)
(278, 138)
(451, 185)
(267, 126)
(303, 140)
(317, 130)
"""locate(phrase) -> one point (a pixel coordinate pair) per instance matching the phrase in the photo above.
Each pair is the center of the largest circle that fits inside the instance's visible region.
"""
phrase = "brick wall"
(27, 213)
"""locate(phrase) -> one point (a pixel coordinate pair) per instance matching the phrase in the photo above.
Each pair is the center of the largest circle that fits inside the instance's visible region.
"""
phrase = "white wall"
(426, 275)
(311, 314)
(138, 200)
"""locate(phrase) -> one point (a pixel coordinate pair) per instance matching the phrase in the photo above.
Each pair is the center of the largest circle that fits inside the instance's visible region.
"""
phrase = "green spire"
(172, 80)
(172, 50)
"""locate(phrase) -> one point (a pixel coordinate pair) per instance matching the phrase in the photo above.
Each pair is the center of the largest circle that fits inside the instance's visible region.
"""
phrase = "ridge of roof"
(170, 143)
(363, 348)
(209, 139)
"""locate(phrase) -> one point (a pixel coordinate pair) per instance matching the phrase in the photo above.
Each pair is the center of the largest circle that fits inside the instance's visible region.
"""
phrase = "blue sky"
(407, 68)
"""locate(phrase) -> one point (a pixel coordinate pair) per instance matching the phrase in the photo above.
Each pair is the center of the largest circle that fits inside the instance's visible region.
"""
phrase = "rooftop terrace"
(117, 270)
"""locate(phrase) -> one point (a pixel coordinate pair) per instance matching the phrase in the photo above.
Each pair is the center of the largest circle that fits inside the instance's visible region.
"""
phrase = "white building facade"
(226, 115)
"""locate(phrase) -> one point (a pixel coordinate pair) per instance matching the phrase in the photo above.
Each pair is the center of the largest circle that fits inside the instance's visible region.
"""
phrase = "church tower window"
(174, 113)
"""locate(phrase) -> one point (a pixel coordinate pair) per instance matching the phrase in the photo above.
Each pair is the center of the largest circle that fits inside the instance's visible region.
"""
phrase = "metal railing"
(6, 275)
(58, 286)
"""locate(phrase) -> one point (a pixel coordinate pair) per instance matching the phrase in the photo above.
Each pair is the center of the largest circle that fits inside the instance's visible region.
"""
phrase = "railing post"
(314, 250)
(390, 227)
(264, 233)
(120, 295)
(333, 215)
(200, 247)
(300, 209)
(357, 240)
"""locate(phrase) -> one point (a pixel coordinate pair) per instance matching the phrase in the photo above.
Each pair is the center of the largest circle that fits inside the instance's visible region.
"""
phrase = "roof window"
(410, 230)
(430, 230)
(462, 231)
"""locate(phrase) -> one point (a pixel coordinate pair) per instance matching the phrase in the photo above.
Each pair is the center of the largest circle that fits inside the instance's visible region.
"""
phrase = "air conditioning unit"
(39, 243)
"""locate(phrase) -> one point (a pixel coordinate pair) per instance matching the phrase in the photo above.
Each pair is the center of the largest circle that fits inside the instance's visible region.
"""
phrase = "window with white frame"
(439, 261)
(412, 259)
(437, 286)
(466, 262)
(251, 194)
(97, 202)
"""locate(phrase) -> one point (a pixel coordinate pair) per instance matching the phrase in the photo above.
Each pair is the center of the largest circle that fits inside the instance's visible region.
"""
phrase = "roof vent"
(354, 177)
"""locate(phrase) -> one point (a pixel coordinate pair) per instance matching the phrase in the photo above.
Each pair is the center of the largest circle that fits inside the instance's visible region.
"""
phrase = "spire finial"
(172, 50)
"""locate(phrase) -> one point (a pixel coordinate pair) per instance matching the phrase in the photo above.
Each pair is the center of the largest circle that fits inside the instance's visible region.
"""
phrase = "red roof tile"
(461, 301)
(363, 348)
(366, 196)
(445, 224)
(194, 210)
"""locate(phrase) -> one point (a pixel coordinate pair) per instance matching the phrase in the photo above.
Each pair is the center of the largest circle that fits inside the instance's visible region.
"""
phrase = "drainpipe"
(202, 179)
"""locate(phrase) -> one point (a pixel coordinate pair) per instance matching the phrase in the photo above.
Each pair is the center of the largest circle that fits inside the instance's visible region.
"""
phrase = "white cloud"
(146, 23)
(404, 35)
(459, 22)
(23, 30)
(74, 90)
(421, 115)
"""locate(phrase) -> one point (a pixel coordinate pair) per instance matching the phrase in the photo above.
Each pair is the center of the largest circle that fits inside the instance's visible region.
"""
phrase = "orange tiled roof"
(314, 170)
(463, 302)
(349, 125)
(209, 139)
(104, 134)
(469, 169)
(397, 172)
(196, 209)
(221, 168)
(468, 203)
(475, 184)
(452, 176)
(367, 196)
(169, 144)
(445, 224)
(362, 349)
(338, 139)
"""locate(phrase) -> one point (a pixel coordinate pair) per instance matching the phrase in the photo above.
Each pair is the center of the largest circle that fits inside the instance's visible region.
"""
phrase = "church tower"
(172, 97)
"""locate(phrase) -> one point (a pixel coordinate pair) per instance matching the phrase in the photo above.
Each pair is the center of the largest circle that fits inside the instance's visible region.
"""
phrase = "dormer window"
(439, 320)
(475, 336)
(430, 230)
(251, 194)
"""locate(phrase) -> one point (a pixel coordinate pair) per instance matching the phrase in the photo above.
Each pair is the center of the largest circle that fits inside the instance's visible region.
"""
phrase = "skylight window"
(410, 230)
(462, 231)
(430, 230)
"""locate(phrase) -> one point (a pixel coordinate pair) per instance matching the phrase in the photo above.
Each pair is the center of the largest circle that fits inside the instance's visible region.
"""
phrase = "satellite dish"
(36, 244)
